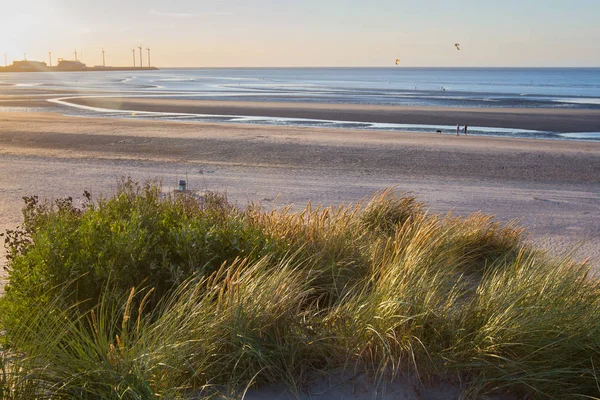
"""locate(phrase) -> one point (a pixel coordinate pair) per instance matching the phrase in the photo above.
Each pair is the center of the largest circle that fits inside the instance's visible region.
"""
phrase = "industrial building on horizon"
(69, 65)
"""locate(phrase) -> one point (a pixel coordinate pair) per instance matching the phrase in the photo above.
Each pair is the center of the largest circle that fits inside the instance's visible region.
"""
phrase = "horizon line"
(360, 66)
(382, 66)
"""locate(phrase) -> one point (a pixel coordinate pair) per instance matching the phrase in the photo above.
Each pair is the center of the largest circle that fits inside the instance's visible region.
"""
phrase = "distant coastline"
(87, 69)
(65, 66)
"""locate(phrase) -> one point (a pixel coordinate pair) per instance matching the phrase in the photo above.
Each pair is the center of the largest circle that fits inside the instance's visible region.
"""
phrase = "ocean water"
(571, 88)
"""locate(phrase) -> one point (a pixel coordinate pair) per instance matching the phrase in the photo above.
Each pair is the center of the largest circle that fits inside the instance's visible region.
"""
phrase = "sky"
(337, 33)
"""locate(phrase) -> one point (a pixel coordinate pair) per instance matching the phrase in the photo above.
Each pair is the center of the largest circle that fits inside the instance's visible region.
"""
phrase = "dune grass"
(145, 295)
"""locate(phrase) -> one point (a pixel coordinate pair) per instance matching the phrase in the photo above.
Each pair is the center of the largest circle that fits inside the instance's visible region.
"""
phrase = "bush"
(146, 295)
(140, 236)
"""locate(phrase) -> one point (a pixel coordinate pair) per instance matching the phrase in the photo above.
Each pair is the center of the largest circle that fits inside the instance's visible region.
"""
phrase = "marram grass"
(203, 300)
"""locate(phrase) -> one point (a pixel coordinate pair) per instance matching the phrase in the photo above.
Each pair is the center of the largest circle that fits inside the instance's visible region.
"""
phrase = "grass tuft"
(149, 295)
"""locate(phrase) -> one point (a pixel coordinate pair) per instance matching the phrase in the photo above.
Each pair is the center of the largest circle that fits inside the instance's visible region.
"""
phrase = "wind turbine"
(103, 61)
(141, 64)
(148, 48)
(25, 55)
(50, 57)
(133, 50)
(75, 53)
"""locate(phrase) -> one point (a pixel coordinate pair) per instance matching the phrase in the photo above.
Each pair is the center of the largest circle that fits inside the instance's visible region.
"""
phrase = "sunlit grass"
(224, 299)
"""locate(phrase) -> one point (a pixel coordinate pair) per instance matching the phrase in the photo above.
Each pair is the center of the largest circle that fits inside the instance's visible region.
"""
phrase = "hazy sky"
(231, 33)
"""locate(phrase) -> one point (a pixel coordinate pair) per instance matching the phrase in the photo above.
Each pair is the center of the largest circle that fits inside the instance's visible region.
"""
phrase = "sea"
(549, 88)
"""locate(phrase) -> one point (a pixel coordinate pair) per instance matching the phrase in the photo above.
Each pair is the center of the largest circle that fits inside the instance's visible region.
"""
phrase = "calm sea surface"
(572, 88)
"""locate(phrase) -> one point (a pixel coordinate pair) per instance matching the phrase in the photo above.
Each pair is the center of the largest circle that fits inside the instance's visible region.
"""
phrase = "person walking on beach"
(465, 130)
(457, 129)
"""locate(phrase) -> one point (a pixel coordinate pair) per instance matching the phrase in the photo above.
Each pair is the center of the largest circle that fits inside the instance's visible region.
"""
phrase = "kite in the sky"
(457, 46)
(397, 61)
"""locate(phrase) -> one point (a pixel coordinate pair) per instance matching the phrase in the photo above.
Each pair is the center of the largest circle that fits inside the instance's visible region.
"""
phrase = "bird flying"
(457, 45)
(397, 61)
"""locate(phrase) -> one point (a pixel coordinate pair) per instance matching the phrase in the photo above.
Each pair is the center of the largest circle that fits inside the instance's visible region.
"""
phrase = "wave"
(592, 101)
(177, 80)
(581, 135)
(28, 84)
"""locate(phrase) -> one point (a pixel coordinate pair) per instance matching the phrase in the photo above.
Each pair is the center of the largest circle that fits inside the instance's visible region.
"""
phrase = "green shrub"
(146, 295)
(139, 236)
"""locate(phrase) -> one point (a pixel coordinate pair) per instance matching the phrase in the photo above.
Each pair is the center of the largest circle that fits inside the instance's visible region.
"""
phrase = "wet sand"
(553, 120)
(552, 186)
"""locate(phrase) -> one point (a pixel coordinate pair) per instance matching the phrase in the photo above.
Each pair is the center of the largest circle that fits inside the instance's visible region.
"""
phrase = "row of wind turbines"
(104, 57)
(133, 50)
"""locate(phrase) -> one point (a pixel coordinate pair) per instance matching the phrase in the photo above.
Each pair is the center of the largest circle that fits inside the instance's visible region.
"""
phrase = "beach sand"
(553, 187)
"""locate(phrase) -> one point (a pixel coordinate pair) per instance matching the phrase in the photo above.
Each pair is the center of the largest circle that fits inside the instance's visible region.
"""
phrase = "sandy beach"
(553, 187)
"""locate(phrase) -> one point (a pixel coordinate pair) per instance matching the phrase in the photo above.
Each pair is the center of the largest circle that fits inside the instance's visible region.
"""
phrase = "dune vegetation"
(148, 294)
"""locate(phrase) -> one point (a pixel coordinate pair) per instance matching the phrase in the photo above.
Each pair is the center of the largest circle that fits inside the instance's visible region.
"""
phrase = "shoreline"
(561, 120)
